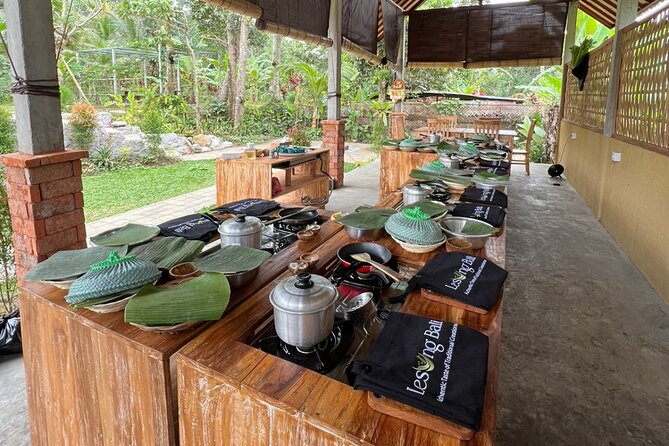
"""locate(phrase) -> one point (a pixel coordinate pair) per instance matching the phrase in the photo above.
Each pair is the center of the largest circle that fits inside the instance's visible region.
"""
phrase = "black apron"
(435, 366)
(489, 195)
(502, 164)
(469, 279)
(190, 227)
(489, 214)
(250, 206)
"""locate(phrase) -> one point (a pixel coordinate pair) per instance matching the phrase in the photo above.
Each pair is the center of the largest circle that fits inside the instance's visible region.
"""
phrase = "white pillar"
(399, 66)
(39, 126)
(114, 77)
(626, 14)
(334, 61)
(570, 32)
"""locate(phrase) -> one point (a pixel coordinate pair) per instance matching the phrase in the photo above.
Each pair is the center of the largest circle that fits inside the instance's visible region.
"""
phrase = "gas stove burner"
(290, 227)
(321, 358)
(373, 280)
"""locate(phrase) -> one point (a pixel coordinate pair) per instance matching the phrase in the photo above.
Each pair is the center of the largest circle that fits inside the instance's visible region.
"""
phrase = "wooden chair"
(432, 126)
(488, 127)
(446, 123)
(522, 156)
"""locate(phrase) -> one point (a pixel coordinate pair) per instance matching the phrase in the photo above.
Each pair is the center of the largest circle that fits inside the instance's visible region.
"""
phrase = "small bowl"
(184, 270)
(305, 235)
(456, 244)
(310, 259)
(315, 228)
(298, 267)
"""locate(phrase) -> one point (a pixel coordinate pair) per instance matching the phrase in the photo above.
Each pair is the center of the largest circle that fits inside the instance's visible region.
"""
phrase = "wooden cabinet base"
(396, 167)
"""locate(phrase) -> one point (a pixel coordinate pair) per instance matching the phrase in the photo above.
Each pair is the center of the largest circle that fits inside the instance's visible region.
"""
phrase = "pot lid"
(417, 189)
(241, 225)
(303, 294)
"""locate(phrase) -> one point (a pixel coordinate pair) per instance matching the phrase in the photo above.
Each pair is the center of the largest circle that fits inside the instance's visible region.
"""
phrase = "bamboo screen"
(643, 101)
(587, 108)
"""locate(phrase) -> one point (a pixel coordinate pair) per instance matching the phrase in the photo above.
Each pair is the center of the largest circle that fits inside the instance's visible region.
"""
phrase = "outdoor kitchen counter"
(396, 166)
(92, 379)
(233, 394)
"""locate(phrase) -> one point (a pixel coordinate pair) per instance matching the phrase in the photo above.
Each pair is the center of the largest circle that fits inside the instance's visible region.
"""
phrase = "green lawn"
(118, 191)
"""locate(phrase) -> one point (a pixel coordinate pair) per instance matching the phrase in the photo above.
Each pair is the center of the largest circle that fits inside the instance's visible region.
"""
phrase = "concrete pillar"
(570, 32)
(44, 188)
(39, 126)
(334, 126)
(625, 14)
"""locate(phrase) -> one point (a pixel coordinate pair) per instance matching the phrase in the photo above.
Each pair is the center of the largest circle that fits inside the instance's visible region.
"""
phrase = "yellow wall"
(630, 198)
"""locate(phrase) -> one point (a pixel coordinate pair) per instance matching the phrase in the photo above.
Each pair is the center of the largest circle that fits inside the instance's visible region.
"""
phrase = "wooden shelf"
(300, 183)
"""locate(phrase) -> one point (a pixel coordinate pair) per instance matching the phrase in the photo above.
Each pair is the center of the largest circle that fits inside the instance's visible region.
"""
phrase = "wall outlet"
(615, 157)
(573, 135)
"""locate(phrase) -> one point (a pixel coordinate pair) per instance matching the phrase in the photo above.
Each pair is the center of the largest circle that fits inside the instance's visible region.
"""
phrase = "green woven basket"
(113, 276)
(414, 226)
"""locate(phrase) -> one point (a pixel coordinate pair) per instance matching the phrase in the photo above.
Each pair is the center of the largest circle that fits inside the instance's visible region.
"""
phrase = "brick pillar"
(46, 205)
(397, 121)
(333, 139)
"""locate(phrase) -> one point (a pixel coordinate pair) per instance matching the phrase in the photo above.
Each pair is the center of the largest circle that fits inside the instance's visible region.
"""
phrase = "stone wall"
(129, 141)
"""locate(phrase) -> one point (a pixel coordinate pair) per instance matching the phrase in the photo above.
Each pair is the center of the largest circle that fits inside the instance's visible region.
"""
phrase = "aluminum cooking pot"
(415, 192)
(241, 231)
(433, 138)
(304, 309)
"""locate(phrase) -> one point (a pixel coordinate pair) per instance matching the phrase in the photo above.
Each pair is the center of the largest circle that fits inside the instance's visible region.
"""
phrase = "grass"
(111, 193)
(348, 167)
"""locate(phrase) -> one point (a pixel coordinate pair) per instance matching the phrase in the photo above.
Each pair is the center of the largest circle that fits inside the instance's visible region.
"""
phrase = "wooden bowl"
(184, 270)
(305, 235)
(455, 244)
(310, 259)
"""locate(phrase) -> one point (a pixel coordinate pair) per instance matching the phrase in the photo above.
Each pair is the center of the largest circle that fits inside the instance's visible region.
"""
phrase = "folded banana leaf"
(367, 218)
(422, 175)
(445, 147)
(68, 264)
(477, 228)
(130, 234)
(232, 259)
(204, 298)
(491, 176)
(168, 251)
(430, 207)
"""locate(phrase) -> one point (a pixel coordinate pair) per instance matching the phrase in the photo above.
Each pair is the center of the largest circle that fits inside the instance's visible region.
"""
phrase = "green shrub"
(7, 133)
(7, 278)
(300, 136)
(83, 122)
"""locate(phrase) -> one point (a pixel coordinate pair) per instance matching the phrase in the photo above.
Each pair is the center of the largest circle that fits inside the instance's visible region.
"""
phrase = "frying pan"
(378, 253)
(301, 218)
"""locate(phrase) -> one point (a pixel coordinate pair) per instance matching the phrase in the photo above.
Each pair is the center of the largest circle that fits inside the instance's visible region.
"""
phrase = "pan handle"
(355, 264)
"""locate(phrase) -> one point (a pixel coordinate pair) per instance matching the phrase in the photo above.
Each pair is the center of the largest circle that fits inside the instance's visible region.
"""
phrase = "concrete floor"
(585, 347)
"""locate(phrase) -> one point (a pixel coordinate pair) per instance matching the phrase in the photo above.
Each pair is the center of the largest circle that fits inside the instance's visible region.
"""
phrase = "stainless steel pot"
(433, 138)
(240, 280)
(415, 192)
(361, 308)
(451, 162)
(304, 309)
(241, 231)
(364, 235)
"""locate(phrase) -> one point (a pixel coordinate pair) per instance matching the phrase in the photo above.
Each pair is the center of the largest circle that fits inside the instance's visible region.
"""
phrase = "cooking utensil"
(364, 235)
(360, 309)
(378, 253)
(453, 226)
(365, 258)
(296, 216)
(241, 231)
(240, 280)
(434, 138)
(412, 193)
(304, 309)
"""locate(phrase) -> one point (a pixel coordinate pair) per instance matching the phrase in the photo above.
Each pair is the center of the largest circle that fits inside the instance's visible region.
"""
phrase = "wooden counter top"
(93, 379)
(233, 394)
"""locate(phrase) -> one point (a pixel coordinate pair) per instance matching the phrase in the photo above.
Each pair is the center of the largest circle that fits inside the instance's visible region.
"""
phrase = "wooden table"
(505, 136)
(396, 166)
(93, 380)
(233, 394)
(299, 175)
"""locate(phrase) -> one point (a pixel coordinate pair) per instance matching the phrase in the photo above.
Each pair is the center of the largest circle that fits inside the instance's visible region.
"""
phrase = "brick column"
(333, 139)
(46, 205)
(397, 122)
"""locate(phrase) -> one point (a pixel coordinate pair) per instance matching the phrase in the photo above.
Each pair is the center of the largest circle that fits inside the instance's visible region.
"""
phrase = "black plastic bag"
(10, 334)
(581, 71)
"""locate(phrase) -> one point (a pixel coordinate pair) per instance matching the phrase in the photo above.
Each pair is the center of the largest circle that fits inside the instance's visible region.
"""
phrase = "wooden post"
(334, 61)
(114, 77)
(570, 32)
(399, 66)
(39, 126)
(626, 14)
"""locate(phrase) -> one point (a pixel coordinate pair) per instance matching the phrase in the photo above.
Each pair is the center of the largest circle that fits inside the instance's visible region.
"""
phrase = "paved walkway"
(585, 346)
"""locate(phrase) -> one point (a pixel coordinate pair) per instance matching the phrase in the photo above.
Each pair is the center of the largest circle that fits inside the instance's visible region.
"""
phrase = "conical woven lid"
(114, 275)
(414, 226)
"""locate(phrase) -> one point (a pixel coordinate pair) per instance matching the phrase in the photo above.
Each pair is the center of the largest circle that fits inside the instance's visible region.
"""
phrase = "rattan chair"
(488, 127)
(522, 156)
